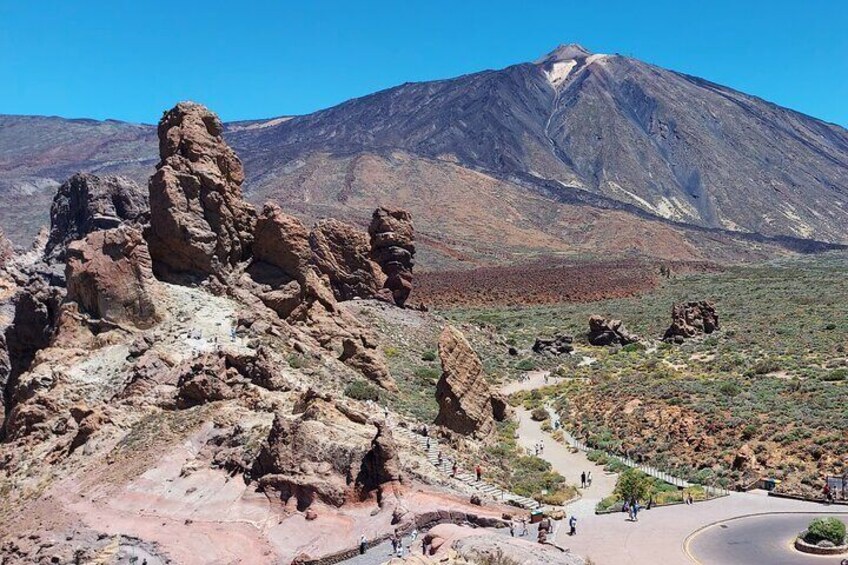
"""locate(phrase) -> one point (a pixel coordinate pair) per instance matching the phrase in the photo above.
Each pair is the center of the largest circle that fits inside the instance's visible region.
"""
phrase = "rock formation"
(691, 318)
(322, 455)
(608, 332)
(6, 250)
(85, 203)
(393, 248)
(341, 253)
(467, 405)
(110, 274)
(556, 346)
(199, 222)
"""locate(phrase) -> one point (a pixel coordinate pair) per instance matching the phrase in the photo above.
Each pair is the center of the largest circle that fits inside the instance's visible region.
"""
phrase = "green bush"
(360, 390)
(526, 365)
(429, 355)
(830, 529)
(426, 375)
(835, 375)
(633, 484)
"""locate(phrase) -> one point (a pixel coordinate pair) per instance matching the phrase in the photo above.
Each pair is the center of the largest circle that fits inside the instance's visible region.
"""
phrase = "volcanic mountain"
(574, 153)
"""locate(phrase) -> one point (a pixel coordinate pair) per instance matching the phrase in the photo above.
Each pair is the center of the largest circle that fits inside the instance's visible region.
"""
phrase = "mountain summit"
(554, 155)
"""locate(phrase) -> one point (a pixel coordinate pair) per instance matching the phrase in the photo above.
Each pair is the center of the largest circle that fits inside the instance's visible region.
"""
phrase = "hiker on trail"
(572, 525)
(453, 469)
(394, 542)
(479, 472)
(827, 494)
(428, 444)
(440, 458)
(511, 528)
(413, 535)
(583, 479)
(541, 446)
(589, 478)
(524, 526)
(650, 502)
(363, 544)
(635, 511)
(690, 499)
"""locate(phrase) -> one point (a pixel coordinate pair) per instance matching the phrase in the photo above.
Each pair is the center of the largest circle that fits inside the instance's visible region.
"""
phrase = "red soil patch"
(545, 282)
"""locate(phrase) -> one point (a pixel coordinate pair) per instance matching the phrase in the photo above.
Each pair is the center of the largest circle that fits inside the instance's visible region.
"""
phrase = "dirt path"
(568, 463)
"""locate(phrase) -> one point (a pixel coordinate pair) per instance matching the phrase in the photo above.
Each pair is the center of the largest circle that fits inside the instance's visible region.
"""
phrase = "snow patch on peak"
(559, 71)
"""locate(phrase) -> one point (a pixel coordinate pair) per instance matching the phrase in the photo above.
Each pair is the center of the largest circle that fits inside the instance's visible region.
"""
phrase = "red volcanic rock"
(110, 274)
(282, 241)
(690, 319)
(322, 455)
(86, 203)
(466, 403)
(393, 248)
(199, 222)
(341, 253)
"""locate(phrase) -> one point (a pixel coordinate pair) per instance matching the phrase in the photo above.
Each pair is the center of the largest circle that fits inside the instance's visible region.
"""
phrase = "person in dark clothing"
(583, 479)
(572, 525)
(363, 544)
(479, 473)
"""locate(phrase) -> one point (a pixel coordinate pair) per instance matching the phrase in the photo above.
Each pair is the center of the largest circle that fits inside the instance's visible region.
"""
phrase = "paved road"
(660, 534)
(754, 541)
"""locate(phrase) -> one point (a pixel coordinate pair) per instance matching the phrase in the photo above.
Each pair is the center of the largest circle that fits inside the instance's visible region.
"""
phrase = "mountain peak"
(565, 52)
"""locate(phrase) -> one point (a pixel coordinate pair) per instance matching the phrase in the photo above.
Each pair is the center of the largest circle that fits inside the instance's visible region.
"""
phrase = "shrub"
(835, 375)
(360, 390)
(730, 388)
(526, 365)
(390, 352)
(539, 414)
(429, 355)
(633, 484)
(426, 375)
(830, 529)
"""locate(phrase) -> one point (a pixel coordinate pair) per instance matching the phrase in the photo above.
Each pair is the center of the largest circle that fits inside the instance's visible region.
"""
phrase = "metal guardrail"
(713, 490)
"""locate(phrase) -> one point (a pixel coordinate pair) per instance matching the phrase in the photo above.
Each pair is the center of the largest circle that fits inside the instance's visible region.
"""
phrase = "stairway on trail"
(486, 489)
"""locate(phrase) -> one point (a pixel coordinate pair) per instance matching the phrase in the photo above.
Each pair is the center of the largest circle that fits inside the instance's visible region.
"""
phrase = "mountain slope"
(571, 135)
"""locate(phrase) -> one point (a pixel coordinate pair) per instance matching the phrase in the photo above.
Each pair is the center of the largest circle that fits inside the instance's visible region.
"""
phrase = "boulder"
(393, 248)
(466, 403)
(110, 275)
(199, 223)
(6, 249)
(342, 254)
(283, 242)
(320, 455)
(556, 346)
(603, 332)
(689, 319)
(86, 203)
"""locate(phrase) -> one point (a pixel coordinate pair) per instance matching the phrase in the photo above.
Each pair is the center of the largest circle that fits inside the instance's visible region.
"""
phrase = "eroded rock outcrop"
(322, 455)
(393, 248)
(199, 222)
(604, 332)
(559, 345)
(342, 254)
(6, 249)
(86, 203)
(467, 404)
(689, 319)
(110, 274)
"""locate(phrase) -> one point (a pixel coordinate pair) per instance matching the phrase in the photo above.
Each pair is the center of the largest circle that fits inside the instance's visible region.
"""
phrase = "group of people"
(539, 448)
(632, 507)
(585, 479)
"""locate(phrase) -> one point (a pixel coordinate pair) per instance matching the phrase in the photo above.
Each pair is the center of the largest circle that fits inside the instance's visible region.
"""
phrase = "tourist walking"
(589, 478)
(511, 528)
(583, 479)
(453, 469)
(363, 544)
(479, 473)
(572, 525)
(524, 531)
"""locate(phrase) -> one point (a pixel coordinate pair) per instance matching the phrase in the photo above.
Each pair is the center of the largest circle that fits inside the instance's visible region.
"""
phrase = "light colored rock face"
(6, 250)
(199, 222)
(689, 319)
(393, 248)
(466, 403)
(110, 275)
(341, 253)
(86, 203)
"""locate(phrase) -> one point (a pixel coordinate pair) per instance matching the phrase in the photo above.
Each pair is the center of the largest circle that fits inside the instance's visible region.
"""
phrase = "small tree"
(631, 484)
(830, 529)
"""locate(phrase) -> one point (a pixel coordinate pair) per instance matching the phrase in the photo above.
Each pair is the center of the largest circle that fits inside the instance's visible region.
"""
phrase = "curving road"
(754, 540)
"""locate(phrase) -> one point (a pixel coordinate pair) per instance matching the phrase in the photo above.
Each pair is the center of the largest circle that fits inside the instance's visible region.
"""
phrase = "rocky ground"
(179, 382)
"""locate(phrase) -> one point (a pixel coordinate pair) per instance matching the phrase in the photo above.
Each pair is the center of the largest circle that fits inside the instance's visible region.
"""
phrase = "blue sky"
(130, 60)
